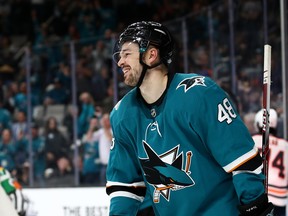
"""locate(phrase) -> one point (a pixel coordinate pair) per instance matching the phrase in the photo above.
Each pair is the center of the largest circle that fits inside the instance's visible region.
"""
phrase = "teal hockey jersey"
(191, 153)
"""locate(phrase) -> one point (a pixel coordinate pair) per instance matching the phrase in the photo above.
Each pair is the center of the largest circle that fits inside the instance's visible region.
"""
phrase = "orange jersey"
(277, 169)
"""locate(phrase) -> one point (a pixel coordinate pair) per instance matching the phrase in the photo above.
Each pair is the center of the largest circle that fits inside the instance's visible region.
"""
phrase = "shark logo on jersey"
(164, 172)
(191, 82)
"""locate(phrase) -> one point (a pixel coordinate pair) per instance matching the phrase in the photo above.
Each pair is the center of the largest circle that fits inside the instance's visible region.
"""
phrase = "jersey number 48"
(226, 111)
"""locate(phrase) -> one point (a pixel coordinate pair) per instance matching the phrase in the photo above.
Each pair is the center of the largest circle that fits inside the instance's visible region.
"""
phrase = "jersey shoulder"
(124, 107)
(195, 79)
(193, 88)
(192, 82)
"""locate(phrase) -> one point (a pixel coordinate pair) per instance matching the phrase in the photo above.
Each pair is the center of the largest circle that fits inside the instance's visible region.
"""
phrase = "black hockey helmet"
(147, 33)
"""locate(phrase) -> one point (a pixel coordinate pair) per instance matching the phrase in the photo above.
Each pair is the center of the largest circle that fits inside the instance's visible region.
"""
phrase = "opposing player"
(13, 190)
(178, 138)
(278, 161)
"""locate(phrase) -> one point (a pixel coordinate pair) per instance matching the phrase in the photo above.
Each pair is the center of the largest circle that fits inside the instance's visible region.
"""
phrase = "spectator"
(104, 137)
(68, 121)
(19, 127)
(73, 33)
(9, 98)
(56, 94)
(39, 162)
(7, 151)
(100, 82)
(84, 75)
(5, 117)
(86, 112)
(21, 155)
(21, 158)
(85, 24)
(64, 76)
(20, 99)
(100, 55)
(56, 149)
(108, 102)
(201, 62)
(249, 122)
(91, 161)
(7, 49)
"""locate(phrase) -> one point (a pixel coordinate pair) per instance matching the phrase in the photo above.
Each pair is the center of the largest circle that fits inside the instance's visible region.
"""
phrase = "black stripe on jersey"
(279, 197)
(139, 191)
(251, 164)
(277, 187)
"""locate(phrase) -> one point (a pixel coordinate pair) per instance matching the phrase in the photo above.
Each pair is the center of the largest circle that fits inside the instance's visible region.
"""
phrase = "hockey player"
(278, 161)
(13, 190)
(178, 138)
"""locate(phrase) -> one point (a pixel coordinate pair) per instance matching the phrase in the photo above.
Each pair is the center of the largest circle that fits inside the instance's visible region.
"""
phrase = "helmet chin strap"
(144, 70)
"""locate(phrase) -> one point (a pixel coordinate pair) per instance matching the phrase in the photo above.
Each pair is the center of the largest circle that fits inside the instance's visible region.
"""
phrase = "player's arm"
(232, 146)
(125, 184)
(253, 201)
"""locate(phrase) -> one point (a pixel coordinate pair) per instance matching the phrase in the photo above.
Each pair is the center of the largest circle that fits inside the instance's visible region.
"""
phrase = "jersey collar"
(152, 110)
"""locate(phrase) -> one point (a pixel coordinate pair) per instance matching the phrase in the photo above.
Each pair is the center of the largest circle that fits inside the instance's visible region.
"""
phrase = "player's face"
(129, 62)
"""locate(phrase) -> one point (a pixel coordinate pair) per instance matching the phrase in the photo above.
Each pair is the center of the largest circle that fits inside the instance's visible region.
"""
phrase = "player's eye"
(126, 54)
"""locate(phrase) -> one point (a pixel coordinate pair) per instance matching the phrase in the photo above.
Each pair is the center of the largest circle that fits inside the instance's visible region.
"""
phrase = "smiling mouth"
(125, 70)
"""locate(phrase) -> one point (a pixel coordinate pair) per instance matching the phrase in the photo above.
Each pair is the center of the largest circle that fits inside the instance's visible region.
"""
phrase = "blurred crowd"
(47, 27)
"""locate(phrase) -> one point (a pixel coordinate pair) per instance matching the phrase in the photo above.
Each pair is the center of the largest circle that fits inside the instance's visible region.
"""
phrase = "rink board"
(68, 201)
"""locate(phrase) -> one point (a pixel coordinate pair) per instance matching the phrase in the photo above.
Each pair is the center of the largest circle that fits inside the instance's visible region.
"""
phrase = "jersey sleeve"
(125, 184)
(228, 140)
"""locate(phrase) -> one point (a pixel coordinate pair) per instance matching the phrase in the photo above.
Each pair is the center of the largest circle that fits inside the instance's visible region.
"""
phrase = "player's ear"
(152, 55)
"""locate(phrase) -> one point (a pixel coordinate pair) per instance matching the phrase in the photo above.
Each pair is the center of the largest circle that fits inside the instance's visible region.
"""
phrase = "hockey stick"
(266, 111)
